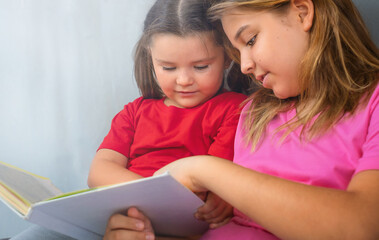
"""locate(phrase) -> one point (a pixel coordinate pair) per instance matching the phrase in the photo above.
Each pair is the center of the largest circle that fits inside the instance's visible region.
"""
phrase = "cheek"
(213, 81)
(286, 55)
(297, 43)
(265, 51)
(158, 78)
(163, 80)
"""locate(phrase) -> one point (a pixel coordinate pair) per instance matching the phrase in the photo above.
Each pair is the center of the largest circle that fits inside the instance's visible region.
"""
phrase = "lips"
(262, 78)
(186, 93)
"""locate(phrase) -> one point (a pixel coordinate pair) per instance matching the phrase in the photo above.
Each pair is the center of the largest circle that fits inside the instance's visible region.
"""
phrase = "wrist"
(201, 170)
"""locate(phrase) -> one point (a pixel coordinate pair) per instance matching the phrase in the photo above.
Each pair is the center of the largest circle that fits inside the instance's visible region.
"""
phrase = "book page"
(30, 188)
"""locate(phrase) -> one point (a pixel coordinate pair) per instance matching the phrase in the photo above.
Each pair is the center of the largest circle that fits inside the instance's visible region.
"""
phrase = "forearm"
(176, 238)
(287, 209)
(107, 173)
(109, 167)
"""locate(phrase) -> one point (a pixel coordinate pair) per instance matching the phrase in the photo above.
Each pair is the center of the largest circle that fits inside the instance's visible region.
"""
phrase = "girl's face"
(271, 47)
(189, 69)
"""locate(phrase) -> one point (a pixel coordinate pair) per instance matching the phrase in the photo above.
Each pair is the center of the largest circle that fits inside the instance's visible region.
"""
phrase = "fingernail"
(149, 236)
(139, 225)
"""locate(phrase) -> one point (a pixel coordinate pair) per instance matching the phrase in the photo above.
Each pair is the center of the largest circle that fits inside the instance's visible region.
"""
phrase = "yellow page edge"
(22, 170)
(104, 186)
(14, 200)
(72, 193)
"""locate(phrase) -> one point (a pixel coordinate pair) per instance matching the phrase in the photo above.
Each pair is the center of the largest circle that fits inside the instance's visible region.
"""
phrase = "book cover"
(84, 214)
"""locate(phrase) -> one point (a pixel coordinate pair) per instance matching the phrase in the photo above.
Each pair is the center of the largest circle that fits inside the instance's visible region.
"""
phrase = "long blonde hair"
(338, 73)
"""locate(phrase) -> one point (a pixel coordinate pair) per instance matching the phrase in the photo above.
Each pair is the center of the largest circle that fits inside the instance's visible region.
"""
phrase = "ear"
(305, 11)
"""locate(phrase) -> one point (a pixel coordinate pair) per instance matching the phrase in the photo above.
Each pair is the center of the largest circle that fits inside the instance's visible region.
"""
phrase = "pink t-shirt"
(330, 160)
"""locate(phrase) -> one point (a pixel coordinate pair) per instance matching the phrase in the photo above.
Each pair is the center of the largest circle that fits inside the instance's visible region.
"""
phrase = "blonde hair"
(338, 74)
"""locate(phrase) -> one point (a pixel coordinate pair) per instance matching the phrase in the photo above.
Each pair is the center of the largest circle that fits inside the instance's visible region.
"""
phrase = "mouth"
(262, 78)
(186, 93)
(181, 91)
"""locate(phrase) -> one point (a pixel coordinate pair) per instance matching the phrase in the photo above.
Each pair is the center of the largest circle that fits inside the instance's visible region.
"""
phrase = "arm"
(216, 211)
(109, 167)
(289, 210)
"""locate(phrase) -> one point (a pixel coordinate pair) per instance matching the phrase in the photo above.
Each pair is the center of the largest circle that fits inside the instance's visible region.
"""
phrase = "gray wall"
(65, 71)
(369, 10)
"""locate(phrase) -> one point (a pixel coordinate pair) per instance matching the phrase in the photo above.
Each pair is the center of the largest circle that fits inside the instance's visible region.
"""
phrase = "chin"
(280, 96)
(284, 95)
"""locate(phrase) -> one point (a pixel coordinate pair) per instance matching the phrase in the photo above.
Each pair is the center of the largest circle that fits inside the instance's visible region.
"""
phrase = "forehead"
(171, 44)
(195, 37)
(239, 16)
(237, 22)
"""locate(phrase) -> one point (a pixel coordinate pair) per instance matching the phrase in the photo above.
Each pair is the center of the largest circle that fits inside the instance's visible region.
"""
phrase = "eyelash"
(251, 42)
(201, 67)
(196, 67)
(168, 68)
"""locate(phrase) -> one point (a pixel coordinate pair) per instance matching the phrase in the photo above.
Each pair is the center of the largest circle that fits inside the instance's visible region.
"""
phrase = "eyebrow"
(239, 32)
(162, 61)
(209, 59)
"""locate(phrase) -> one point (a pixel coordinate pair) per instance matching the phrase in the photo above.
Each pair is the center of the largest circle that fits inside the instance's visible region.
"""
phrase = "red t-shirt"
(151, 134)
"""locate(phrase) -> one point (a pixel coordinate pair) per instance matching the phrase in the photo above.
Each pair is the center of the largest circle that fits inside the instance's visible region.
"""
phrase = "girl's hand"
(133, 226)
(215, 211)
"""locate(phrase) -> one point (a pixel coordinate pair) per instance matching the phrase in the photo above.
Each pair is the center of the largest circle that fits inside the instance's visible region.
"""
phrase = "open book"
(84, 214)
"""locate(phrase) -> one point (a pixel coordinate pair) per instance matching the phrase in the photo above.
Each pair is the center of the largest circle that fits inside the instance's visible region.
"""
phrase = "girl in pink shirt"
(307, 145)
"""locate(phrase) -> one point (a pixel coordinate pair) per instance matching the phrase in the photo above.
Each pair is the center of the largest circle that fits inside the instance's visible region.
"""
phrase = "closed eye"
(201, 67)
(168, 68)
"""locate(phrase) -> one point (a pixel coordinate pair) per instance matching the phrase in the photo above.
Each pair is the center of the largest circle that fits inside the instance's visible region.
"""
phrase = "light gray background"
(65, 71)
(66, 68)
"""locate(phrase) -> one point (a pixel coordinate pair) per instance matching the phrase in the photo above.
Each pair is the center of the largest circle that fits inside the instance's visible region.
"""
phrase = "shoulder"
(138, 106)
(370, 104)
(141, 102)
(135, 102)
(374, 99)
(229, 98)
(224, 104)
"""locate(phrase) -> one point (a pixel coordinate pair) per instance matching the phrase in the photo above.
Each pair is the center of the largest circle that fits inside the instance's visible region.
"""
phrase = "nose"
(247, 63)
(184, 78)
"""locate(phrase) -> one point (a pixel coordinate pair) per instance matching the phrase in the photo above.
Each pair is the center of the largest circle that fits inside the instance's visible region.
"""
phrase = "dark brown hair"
(182, 18)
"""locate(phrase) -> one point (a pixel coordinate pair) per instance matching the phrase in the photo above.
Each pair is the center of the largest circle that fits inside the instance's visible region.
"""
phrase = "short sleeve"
(223, 145)
(121, 134)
